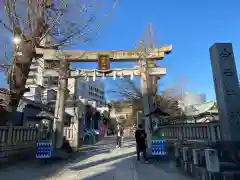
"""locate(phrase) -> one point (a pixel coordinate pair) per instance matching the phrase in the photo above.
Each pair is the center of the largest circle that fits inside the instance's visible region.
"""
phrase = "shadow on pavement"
(128, 168)
(118, 171)
(95, 163)
(87, 151)
(37, 169)
(89, 164)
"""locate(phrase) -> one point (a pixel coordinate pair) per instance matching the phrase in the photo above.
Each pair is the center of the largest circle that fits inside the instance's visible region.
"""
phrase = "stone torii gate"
(68, 56)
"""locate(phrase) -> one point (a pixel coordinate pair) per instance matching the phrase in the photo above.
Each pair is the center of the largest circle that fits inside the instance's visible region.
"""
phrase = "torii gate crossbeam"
(92, 56)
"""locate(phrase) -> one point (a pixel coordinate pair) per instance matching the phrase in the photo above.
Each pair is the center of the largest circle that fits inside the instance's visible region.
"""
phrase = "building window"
(32, 76)
(50, 81)
(35, 63)
(32, 82)
(54, 95)
(51, 64)
(34, 70)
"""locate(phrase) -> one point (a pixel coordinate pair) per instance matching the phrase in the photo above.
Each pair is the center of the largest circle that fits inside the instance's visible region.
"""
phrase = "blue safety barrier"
(44, 149)
(159, 147)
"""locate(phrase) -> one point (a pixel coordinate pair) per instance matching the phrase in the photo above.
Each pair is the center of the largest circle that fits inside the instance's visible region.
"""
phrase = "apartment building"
(92, 91)
(44, 74)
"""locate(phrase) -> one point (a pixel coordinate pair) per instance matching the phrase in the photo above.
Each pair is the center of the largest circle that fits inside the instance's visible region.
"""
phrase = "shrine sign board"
(103, 62)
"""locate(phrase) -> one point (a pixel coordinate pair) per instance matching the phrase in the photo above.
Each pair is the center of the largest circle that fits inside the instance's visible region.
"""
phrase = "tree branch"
(124, 94)
(6, 26)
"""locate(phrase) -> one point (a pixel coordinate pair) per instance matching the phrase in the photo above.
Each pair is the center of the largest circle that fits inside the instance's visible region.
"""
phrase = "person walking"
(118, 139)
(121, 136)
(140, 136)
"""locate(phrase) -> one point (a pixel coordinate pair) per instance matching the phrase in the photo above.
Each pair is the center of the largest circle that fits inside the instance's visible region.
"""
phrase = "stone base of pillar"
(149, 152)
(75, 149)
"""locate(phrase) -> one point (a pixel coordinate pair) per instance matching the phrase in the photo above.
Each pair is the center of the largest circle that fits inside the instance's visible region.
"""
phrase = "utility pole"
(60, 103)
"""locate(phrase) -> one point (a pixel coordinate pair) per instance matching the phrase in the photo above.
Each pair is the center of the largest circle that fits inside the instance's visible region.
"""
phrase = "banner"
(82, 126)
(101, 130)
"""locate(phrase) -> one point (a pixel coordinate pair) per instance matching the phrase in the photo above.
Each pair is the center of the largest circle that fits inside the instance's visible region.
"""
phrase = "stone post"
(76, 134)
(10, 131)
(211, 134)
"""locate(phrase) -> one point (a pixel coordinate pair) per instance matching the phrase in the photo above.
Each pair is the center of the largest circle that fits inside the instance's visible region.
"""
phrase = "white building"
(92, 91)
(42, 80)
(43, 73)
(189, 98)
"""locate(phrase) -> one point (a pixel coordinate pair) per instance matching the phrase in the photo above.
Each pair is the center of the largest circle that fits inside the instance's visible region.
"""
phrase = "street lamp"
(17, 36)
(16, 40)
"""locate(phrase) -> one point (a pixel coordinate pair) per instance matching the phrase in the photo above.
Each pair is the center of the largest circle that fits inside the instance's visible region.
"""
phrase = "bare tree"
(166, 100)
(44, 24)
(127, 89)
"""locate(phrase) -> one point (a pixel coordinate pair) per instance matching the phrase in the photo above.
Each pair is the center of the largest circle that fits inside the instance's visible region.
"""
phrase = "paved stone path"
(99, 162)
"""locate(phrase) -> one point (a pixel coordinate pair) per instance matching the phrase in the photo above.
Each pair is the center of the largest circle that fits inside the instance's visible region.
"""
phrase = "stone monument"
(227, 90)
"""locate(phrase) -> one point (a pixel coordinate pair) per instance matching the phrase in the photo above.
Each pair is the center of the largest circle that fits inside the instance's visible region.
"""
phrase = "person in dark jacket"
(122, 136)
(140, 136)
(118, 139)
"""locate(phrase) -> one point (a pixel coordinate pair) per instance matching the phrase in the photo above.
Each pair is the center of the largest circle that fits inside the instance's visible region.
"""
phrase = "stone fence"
(207, 133)
(19, 141)
(199, 133)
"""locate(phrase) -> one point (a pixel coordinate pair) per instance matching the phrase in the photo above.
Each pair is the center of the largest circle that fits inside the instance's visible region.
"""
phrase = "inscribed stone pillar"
(227, 90)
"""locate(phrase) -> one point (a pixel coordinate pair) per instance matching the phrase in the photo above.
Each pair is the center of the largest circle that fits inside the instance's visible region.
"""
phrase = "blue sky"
(190, 26)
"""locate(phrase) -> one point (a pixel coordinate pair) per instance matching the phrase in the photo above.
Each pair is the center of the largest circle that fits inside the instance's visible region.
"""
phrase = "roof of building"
(197, 109)
(159, 112)
(42, 115)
